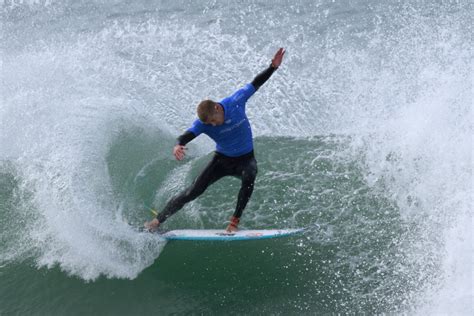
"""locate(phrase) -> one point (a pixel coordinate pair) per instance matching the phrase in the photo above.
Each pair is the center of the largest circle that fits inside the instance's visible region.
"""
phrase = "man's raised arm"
(261, 78)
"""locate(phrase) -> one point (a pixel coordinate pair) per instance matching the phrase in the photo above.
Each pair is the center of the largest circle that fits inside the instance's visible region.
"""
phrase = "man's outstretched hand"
(179, 152)
(278, 58)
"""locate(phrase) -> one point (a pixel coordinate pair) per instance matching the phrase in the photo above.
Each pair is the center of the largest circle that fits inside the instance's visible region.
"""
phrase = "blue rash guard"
(234, 137)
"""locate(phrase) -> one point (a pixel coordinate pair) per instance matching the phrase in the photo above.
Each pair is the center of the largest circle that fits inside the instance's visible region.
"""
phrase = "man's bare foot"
(233, 226)
(152, 225)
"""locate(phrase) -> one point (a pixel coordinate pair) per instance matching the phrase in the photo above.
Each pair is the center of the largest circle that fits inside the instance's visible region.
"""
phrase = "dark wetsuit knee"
(251, 171)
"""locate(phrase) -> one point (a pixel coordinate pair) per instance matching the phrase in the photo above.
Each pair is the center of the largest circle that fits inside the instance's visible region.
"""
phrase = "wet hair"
(206, 110)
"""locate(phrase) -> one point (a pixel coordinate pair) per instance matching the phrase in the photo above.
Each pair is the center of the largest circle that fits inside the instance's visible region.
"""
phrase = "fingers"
(278, 58)
(281, 53)
(179, 152)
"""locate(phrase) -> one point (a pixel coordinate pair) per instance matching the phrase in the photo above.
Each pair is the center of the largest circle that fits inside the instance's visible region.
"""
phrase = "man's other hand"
(278, 58)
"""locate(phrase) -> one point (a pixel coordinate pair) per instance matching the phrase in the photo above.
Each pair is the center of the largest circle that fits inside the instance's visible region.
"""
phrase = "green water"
(350, 260)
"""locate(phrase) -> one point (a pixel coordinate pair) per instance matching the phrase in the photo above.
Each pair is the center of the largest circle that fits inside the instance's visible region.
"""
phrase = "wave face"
(364, 135)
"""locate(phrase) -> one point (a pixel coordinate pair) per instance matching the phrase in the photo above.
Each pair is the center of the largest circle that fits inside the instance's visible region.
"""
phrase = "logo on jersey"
(232, 127)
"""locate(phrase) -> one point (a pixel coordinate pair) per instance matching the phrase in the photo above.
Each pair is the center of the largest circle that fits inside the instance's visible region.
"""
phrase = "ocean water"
(364, 136)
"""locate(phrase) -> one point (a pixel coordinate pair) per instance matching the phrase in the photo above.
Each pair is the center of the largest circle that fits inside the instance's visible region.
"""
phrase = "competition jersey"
(234, 137)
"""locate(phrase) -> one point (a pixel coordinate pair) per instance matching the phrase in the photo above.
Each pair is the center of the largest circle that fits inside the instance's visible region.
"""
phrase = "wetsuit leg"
(248, 173)
(213, 172)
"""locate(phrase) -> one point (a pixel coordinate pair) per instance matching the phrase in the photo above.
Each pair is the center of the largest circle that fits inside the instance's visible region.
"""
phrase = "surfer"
(227, 124)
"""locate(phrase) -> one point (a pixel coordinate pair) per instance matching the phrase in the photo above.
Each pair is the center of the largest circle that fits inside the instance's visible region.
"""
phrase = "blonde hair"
(206, 109)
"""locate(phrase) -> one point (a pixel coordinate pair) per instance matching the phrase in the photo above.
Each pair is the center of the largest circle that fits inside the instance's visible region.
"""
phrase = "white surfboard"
(222, 235)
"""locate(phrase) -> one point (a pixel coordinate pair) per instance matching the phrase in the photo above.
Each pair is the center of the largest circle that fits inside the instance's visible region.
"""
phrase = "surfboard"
(222, 235)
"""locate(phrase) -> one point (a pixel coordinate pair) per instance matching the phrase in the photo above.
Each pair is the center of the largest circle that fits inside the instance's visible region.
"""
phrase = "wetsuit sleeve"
(242, 95)
(191, 133)
(186, 138)
(262, 77)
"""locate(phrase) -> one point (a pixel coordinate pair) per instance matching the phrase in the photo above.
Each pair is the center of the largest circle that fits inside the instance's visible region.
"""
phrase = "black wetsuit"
(243, 167)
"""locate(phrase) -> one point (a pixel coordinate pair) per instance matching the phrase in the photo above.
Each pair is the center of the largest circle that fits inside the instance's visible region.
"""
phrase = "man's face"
(217, 118)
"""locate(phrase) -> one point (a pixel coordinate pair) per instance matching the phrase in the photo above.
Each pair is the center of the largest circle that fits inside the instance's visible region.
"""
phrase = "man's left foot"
(152, 226)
